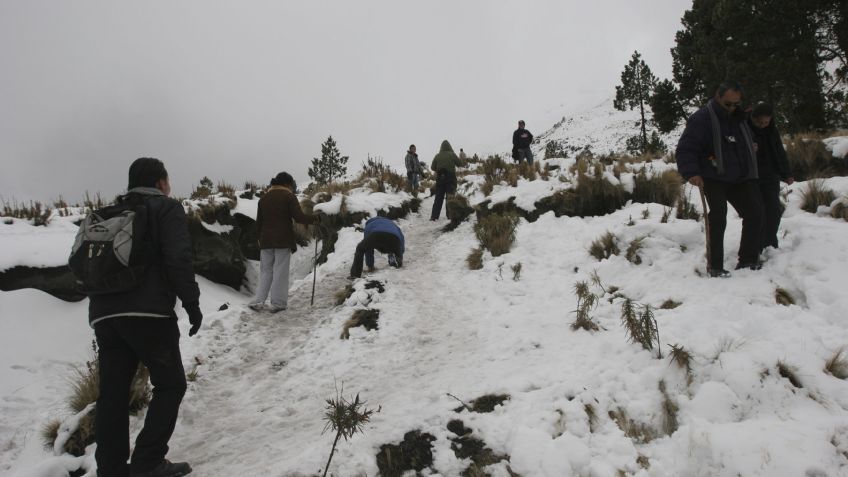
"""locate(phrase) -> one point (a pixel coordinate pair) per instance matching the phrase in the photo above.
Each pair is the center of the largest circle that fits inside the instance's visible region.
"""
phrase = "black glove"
(195, 317)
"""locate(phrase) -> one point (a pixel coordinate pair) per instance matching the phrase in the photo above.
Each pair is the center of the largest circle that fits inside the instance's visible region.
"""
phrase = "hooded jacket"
(170, 273)
(277, 208)
(446, 159)
(772, 163)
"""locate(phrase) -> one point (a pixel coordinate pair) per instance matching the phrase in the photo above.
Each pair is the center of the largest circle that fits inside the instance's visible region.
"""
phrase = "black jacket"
(771, 156)
(521, 138)
(169, 275)
(697, 145)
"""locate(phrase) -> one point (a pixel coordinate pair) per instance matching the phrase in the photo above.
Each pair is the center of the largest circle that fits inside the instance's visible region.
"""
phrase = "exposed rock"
(57, 281)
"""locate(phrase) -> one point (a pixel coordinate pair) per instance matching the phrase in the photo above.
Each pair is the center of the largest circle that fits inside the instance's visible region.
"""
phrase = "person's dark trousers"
(122, 343)
(745, 198)
(382, 241)
(772, 208)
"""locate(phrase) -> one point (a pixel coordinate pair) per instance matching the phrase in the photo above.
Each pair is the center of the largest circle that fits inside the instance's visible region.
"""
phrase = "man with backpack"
(444, 165)
(132, 291)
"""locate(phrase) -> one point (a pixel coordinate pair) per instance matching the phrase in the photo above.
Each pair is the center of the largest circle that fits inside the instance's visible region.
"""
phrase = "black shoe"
(166, 469)
(749, 265)
(719, 273)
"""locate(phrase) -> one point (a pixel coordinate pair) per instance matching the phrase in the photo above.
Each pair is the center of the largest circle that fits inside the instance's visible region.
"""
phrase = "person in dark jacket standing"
(521, 140)
(444, 165)
(716, 153)
(277, 208)
(413, 169)
(381, 234)
(773, 166)
(140, 326)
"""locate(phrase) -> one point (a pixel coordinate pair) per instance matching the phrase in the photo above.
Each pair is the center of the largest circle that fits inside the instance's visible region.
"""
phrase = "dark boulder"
(57, 281)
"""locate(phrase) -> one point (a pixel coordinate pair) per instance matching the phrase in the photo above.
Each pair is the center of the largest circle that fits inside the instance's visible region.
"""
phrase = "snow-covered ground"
(256, 406)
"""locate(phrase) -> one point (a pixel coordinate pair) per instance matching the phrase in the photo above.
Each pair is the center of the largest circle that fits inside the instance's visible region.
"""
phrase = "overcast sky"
(241, 90)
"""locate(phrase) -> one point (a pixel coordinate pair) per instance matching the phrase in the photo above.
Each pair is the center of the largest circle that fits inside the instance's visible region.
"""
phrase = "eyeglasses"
(729, 105)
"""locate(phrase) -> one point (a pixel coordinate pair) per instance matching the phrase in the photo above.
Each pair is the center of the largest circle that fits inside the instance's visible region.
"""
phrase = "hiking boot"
(255, 306)
(393, 262)
(166, 468)
(749, 265)
(719, 273)
(276, 309)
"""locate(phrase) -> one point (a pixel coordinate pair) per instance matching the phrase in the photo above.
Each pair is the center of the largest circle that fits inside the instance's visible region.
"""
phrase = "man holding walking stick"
(716, 153)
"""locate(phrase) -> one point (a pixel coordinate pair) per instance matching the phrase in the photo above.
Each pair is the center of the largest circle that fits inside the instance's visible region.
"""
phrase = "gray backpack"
(111, 251)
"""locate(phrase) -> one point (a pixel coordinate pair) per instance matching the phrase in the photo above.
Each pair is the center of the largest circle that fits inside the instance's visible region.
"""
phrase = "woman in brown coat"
(277, 208)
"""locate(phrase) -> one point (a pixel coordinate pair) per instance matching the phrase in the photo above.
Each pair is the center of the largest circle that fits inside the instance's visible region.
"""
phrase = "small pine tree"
(331, 165)
(666, 108)
(637, 86)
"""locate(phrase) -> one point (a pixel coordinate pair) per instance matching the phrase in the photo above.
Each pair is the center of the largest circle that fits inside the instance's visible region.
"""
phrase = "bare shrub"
(496, 232)
(604, 247)
(816, 194)
(346, 418)
(666, 214)
(638, 431)
(685, 208)
(681, 357)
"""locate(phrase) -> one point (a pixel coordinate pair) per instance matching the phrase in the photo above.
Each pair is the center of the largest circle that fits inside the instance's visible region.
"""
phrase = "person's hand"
(756, 147)
(790, 180)
(697, 181)
(195, 317)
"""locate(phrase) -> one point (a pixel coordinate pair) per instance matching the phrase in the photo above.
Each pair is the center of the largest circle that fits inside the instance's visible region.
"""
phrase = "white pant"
(273, 276)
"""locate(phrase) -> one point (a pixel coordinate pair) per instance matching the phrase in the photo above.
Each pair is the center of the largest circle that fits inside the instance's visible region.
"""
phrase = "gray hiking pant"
(273, 276)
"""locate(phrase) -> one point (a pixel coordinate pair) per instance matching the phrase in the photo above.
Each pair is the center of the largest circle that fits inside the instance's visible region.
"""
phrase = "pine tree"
(777, 49)
(637, 86)
(667, 111)
(331, 165)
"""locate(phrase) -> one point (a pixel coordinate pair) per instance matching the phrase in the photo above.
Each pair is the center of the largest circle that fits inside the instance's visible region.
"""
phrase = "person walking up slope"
(444, 165)
(381, 234)
(277, 208)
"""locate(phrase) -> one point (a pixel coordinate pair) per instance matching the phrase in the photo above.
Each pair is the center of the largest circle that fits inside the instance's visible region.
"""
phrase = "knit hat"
(146, 172)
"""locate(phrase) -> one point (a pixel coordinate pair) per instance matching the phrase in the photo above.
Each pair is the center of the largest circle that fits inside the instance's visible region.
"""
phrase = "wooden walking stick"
(706, 225)
(314, 272)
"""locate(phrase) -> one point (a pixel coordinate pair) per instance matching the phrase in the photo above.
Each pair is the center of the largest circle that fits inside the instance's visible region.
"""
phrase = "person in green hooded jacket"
(444, 165)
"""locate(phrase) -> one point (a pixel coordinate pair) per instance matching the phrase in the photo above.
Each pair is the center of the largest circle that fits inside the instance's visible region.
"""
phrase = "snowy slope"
(256, 406)
(602, 128)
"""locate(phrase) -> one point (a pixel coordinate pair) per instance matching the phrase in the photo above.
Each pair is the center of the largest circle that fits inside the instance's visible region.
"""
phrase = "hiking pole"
(314, 272)
(706, 225)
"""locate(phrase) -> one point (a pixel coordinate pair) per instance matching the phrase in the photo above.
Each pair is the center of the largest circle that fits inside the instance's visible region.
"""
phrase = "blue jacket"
(381, 224)
(697, 144)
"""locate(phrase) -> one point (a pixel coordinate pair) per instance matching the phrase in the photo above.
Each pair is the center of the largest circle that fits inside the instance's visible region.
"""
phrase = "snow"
(217, 228)
(257, 403)
(838, 146)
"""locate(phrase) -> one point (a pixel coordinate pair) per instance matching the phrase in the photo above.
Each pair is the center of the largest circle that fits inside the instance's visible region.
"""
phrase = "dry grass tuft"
(669, 411)
(840, 209)
(670, 304)
(661, 189)
(366, 318)
(685, 208)
(681, 357)
(837, 365)
(496, 232)
(727, 345)
(816, 194)
(516, 271)
(782, 297)
(592, 415)
(475, 259)
(604, 247)
(641, 326)
(639, 432)
(632, 253)
(49, 433)
(586, 302)
(809, 158)
(342, 295)
(789, 372)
